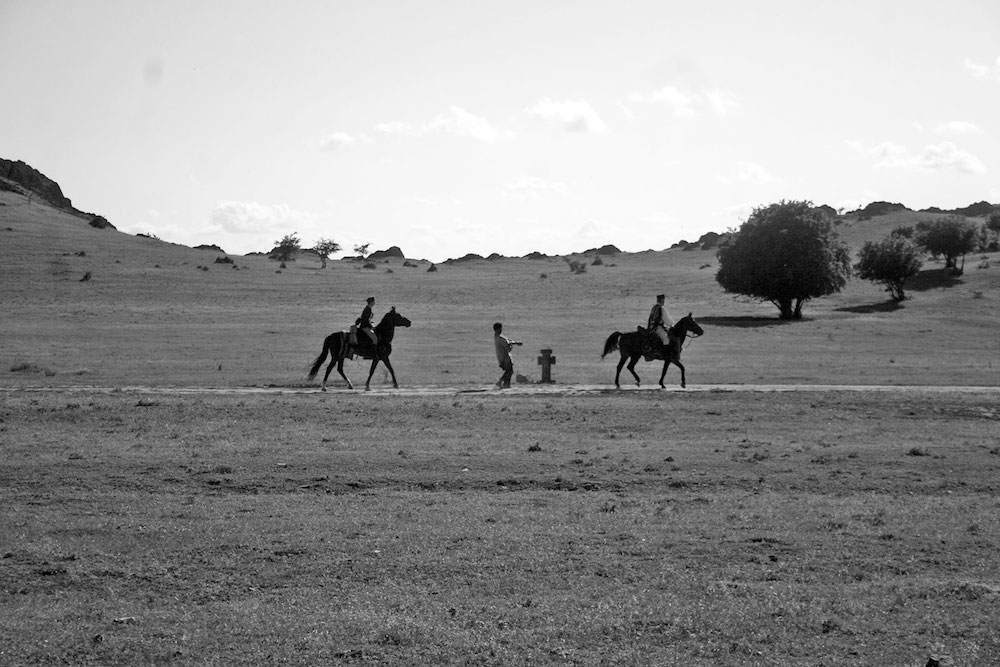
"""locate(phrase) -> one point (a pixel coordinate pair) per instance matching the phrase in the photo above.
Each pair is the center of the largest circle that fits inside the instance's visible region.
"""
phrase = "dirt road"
(519, 390)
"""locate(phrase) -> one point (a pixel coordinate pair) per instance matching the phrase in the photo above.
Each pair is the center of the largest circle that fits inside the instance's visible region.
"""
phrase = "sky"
(467, 126)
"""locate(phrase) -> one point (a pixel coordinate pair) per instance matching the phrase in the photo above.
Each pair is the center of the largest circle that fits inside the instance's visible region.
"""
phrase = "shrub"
(890, 262)
(949, 237)
(287, 247)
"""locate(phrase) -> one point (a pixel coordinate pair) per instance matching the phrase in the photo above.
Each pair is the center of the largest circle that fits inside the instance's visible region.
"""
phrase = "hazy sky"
(464, 126)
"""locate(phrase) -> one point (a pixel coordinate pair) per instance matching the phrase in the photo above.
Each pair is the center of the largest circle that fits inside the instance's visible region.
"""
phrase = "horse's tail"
(321, 358)
(611, 344)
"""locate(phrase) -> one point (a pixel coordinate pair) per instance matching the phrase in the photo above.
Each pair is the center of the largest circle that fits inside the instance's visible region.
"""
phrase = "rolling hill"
(86, 305)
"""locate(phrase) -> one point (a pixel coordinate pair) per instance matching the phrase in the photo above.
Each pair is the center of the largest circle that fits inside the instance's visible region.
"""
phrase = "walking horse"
(638, 343)
(338, 346)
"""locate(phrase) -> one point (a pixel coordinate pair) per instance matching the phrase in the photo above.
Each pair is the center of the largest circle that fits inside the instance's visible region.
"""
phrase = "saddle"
(358, 345)
(652, 347)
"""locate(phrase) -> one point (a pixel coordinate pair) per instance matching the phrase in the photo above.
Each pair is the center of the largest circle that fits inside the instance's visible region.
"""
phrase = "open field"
(229, 513)
(703, 528)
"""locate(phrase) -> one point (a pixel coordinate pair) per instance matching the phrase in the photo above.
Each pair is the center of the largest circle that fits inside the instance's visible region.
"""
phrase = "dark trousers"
(508, 372)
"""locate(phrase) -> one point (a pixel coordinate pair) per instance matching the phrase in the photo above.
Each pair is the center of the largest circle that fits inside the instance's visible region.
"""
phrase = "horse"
(631, 345)
(337, 346)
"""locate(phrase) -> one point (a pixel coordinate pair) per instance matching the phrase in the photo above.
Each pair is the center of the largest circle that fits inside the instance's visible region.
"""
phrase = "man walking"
(503, 347)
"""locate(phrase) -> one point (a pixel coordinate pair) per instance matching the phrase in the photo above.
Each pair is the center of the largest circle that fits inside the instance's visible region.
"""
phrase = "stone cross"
(547, 361)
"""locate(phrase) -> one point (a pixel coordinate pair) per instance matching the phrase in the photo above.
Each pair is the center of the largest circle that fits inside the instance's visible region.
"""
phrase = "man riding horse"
(660, 329)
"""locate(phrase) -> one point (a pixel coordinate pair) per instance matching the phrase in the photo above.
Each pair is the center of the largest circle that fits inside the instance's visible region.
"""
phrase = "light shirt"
(503, 345)
(662, 315)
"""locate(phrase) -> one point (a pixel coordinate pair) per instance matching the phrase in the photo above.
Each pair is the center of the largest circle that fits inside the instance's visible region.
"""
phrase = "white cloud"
(456, 122)
(749, 172)
(572, 115)
(335, 140)
(720, 101)
(738, 212)
(975, 69)
(397, 127)
(627, 113)
(237, 217)
(461, 123)
(958, 127)
(944, 155)
(948, 156)
(533, 188)
(689, 103)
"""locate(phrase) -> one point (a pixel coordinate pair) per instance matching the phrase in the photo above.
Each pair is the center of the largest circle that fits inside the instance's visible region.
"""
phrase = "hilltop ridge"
(21, 178)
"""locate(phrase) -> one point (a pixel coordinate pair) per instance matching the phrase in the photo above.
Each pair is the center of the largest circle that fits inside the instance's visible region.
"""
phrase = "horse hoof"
(323, 388)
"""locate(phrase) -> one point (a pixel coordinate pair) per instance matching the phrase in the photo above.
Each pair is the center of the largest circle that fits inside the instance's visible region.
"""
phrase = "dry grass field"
(175, 492)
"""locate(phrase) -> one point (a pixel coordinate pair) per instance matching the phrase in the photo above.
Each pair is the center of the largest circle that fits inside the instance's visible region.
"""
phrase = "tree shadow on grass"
(933, 279)
(743, 321)
(884, 307)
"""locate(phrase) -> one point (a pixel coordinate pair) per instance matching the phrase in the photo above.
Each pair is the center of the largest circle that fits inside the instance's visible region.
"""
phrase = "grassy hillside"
(157, 313)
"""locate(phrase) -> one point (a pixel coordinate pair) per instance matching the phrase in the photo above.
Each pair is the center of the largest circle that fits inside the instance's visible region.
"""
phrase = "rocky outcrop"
(391, 253)
(15, 174)
(35, 182)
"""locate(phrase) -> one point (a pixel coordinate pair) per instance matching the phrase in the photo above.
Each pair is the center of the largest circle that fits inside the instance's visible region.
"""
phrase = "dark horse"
(336, 345)
(633, 345)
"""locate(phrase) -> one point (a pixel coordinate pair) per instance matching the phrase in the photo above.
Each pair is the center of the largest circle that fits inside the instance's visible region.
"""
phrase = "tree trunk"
(785, 306)
(797, 315)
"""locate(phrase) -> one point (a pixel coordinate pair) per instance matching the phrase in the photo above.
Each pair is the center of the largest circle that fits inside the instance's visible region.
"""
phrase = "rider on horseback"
(661, 325)
(365, 322)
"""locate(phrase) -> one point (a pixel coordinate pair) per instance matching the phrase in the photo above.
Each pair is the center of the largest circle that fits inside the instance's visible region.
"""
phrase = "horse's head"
(689, 325)
(396, 319)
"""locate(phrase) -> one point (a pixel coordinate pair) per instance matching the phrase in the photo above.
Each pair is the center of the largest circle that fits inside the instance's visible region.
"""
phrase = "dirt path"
(520, 390)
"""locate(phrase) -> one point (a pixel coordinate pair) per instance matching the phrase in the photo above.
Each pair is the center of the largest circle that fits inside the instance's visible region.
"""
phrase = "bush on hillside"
(891, 262)
(950, 238)
(286, 248)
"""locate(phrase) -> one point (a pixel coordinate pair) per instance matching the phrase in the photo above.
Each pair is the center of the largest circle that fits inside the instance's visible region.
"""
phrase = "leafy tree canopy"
(785, 253)
(890, 262)
(949, 237)
(286, 248)
(324, 248)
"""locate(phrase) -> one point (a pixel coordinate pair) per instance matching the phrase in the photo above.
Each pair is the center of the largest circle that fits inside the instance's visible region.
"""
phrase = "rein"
(687, 343)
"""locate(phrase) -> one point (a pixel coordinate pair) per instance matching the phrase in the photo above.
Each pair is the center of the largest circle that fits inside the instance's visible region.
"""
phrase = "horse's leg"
(329, 369)
(666, 365)
(371, 373)
(618, 371)
(631, 368)
(340, 369)
(395, 385)
(677, 362)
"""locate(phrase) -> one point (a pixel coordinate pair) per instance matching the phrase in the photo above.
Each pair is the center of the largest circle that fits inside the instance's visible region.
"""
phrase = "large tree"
(890, 262)
(949, 237)
(785, 253)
